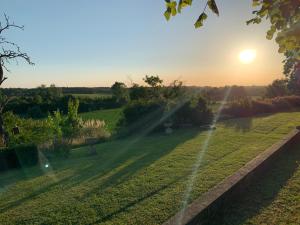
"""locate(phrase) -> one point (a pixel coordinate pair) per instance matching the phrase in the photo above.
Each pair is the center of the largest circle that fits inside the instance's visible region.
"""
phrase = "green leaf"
(256, 20)
(255, 3)
(171, 9)
(213, 6)
(167, 14)
(200, 20)
(271, 32)
(180, 6)
(183, 3)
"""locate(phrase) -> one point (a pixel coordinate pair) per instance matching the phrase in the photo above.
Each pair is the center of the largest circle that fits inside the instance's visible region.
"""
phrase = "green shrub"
(142, 114)
(30, 131)
(195, 112)
(249, 107)
(18, 156)
(152, 114)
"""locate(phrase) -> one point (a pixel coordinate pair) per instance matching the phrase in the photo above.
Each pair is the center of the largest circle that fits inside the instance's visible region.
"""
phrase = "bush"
(153, 114)
(94, 129)
(249, 107)
(140, 109)
(18, 156)
(194, 112)
(35, 112)
(277, 88)
(142, 114)
(30, 131)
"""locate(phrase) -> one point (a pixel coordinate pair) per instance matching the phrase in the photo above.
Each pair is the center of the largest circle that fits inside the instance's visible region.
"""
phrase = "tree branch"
(9, 25)
(10, 50)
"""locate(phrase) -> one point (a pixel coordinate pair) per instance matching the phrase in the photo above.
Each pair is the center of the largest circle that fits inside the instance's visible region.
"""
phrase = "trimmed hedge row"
(18, 156)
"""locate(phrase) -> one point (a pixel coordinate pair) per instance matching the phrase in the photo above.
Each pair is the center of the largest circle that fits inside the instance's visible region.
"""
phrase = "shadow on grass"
(10, 177)
(141, 154)
(260, 193)
(107, 166)
(240, 124)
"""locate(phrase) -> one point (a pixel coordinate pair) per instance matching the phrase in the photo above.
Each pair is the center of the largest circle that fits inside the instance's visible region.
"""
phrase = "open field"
(97, 95)
(110, 116)
(138, 180)
(273, 199)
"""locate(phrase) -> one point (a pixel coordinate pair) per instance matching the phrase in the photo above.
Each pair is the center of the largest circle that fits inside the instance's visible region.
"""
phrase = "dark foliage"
(86, 90)
(38, 107)
(153, 114)
(247, 107)
(235, 93)
(120, 92)
(18, 156)
(138, 92)
(277, 88)
(195, 112)
(141, 114)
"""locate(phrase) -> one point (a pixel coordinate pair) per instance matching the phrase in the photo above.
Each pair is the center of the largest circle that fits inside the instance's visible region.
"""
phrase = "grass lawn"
(273, 197)
(138, 180)
(110, 116)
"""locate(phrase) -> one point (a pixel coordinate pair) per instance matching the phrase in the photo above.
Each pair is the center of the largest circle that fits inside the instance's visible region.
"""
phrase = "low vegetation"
(272, 198)
(249, 107)
(18, 157)
(37, 103)
(110, 116)
(135, 180)
(57, 132)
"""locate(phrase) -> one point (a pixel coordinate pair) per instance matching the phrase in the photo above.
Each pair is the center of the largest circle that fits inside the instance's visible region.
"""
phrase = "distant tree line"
(39, 102)
(86, 90)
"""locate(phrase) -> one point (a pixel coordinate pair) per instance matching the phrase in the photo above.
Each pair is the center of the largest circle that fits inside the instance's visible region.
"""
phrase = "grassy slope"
(138, 180)
(273, 198)
(110, 116)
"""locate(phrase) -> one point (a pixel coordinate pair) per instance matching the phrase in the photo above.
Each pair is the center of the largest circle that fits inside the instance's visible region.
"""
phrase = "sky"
(96, 42)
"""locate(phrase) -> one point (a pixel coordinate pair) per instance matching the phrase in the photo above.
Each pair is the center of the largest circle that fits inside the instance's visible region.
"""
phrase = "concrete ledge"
(212, 200)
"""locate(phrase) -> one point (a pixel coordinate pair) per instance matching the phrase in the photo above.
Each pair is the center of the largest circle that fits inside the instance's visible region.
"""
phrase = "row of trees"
(153, 89)
(37, 107)
(153, 105)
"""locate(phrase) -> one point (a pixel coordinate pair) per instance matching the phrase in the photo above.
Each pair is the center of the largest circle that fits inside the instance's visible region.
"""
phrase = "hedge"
(248, 107)
(18, 156)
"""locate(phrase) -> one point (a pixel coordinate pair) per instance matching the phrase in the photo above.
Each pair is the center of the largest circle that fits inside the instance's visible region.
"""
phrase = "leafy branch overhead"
(173, 8)
(284, 17)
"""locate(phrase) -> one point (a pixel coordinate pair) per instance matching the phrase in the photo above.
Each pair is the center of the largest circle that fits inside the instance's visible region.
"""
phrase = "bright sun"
(247, 56)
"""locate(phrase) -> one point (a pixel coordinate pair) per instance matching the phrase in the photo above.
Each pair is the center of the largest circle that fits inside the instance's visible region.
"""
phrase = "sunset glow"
(247, 56)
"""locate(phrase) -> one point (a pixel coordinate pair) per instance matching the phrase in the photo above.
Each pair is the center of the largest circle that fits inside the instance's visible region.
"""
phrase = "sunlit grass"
(110, 116)
(135, 182)
(273, 197)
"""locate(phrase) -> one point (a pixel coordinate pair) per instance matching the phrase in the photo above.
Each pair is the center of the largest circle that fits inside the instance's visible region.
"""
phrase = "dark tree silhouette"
(9, 51)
